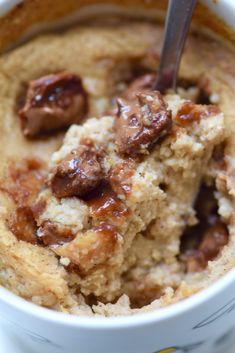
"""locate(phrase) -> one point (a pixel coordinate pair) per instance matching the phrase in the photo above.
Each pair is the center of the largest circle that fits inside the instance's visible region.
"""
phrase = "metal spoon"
(179, 14)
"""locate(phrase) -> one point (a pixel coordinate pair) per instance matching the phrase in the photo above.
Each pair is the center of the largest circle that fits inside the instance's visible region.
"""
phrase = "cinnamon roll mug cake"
(115, 199)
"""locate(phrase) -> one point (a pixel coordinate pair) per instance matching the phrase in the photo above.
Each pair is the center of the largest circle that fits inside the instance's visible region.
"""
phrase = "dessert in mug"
(115, 199)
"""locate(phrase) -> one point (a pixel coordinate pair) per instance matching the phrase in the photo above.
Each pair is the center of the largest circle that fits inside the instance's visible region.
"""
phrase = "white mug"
(203, 323)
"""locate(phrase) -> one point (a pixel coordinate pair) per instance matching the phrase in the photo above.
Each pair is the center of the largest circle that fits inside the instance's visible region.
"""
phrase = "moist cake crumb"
(123, 241)
(96, 227)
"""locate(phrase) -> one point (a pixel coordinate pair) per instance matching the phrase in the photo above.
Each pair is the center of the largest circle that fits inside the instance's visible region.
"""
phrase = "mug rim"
(134, 320)
(118, 322)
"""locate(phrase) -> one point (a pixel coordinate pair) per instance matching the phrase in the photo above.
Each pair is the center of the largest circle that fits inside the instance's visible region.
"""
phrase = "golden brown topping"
(79, 173)
(91, 249)
(50, 234)
(23, 225)
(120, 177)
(141, 123)
(53, 102)
(139, 85)
(190, 112)
(106, 206)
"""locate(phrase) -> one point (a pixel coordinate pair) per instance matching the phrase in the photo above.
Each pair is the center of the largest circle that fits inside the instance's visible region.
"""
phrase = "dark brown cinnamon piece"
(79, 173)
(53, 102)
(141, 123)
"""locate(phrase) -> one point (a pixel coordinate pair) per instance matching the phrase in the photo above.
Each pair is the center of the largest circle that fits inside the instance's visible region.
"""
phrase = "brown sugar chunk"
(94, 247)
(120, 177)
(141, 123)
(79, 173)
(22, 224)
(24, 180)
(53, 102)
(190, 112)
(105, 205)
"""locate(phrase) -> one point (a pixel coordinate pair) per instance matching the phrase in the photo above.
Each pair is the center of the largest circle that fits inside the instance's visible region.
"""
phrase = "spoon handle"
(177, 24)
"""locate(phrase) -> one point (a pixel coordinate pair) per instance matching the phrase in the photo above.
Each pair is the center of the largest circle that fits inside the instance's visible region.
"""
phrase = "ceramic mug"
(203, 323)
